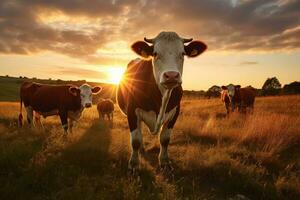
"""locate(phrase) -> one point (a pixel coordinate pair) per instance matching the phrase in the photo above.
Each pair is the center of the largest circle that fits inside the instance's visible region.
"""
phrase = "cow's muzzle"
(171, 79)
(88, 105)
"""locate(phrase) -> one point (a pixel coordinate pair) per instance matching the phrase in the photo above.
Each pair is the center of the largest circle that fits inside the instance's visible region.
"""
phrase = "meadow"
(214, 157)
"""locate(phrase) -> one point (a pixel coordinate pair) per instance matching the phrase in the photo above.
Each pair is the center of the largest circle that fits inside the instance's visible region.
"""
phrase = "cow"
(241, 98)
(151, 91)
(66, 101)
(106, 107)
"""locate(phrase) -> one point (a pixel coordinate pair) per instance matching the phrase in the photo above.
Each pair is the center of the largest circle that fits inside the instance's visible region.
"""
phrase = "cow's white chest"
(154, 122)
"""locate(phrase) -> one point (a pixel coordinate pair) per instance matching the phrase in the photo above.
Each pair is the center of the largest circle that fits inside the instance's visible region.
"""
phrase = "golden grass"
(214, 156)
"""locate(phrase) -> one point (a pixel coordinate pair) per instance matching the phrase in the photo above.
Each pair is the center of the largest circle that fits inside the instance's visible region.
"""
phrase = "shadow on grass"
(83, 170)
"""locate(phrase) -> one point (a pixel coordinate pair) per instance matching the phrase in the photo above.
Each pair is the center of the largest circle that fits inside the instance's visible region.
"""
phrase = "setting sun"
(115, 75)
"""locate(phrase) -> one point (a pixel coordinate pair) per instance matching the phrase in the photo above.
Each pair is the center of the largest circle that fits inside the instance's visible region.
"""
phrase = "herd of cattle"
(149, 92)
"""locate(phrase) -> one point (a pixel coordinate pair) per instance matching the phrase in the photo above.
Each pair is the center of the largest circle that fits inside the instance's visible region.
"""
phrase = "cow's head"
(86, 94)
(167, 51)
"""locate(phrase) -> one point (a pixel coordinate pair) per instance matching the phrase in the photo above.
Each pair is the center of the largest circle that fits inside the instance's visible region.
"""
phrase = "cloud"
(249, 63)
(79, 72)
(247, 25)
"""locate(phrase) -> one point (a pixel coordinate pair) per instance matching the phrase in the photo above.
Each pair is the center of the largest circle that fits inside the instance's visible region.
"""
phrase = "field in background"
(10, 87)
(215, 157)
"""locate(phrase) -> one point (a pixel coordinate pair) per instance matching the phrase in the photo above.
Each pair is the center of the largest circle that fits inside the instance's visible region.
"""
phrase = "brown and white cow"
(106, 107)
(151, 91)
(64, 100)
(241, 98)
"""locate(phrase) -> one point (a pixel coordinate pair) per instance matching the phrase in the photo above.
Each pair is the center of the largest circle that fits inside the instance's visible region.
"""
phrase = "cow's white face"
(86, 94)
(231, 90)
(167, 53)
(167, 62)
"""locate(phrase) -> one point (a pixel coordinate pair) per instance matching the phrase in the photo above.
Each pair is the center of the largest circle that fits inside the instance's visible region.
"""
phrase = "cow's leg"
(71, 124)
(29, 112)
(64, 120)
(164, 139)
(149, 118)
(227, 105)
(37, 119)
(136, 140)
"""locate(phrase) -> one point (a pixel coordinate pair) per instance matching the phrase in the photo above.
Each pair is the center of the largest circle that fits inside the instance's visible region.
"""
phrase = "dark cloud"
(253, 25)
(249, 63)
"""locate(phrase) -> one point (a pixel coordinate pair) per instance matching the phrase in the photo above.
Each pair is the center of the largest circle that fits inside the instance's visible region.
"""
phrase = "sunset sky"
(248, 40)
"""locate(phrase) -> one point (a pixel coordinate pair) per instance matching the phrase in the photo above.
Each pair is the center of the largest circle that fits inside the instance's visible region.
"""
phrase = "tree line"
(271, 87)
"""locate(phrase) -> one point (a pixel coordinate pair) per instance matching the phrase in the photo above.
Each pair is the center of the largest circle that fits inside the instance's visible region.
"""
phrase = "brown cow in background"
(240, 98)
(106, 107)
(244, 98)
(66, 101)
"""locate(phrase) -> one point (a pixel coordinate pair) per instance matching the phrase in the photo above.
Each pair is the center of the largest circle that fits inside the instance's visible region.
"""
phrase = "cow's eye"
(154, 54)
(183, 53)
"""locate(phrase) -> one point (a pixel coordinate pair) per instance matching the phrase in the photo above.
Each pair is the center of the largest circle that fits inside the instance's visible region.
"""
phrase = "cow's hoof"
(134, 172)
(167, 167)
(142, 150)
(65, 137)
(167, 170)
(133, 164)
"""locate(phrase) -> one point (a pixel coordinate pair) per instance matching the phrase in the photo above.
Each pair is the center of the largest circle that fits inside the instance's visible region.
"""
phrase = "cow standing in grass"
(106, 107)
(151, 91)
(240, 98)
(66, 101)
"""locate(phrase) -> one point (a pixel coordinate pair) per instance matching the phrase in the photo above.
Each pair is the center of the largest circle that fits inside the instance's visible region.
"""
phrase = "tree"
(213, 91)
(272, 86)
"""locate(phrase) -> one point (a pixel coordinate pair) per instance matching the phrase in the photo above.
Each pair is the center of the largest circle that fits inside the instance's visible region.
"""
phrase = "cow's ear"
(224, 87)
(237, 86)
(74, 90)
(96, 90)
(142, 48)
(195, 48)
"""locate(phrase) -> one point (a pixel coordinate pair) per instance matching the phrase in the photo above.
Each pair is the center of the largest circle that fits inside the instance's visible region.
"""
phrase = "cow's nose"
(171, 77)
(87, 105)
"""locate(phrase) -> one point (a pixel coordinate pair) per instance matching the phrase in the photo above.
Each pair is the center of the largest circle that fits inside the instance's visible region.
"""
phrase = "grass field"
(215, 157)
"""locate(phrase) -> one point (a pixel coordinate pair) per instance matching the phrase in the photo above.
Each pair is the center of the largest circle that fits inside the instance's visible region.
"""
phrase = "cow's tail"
(20, 115)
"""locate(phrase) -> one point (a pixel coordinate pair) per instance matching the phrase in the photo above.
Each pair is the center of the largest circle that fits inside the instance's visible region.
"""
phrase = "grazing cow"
(106, 107)
(63, 100)
(151, 91)
(241, 98)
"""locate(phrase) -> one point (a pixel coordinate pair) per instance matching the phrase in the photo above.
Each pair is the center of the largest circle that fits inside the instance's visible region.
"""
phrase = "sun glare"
(115, 75)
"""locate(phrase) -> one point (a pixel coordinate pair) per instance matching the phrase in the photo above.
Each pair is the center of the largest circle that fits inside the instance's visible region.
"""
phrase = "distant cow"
(64, 100)
(106, 107)
(241, 98)
(151, 91)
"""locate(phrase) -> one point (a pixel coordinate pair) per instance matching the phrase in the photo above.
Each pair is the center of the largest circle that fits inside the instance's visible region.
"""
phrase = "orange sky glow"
(248, 41)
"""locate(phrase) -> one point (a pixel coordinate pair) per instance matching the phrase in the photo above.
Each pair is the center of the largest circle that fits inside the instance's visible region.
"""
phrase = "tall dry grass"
(215, 157)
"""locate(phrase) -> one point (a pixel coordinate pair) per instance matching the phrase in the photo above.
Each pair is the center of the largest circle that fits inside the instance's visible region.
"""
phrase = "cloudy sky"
(248, 40)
